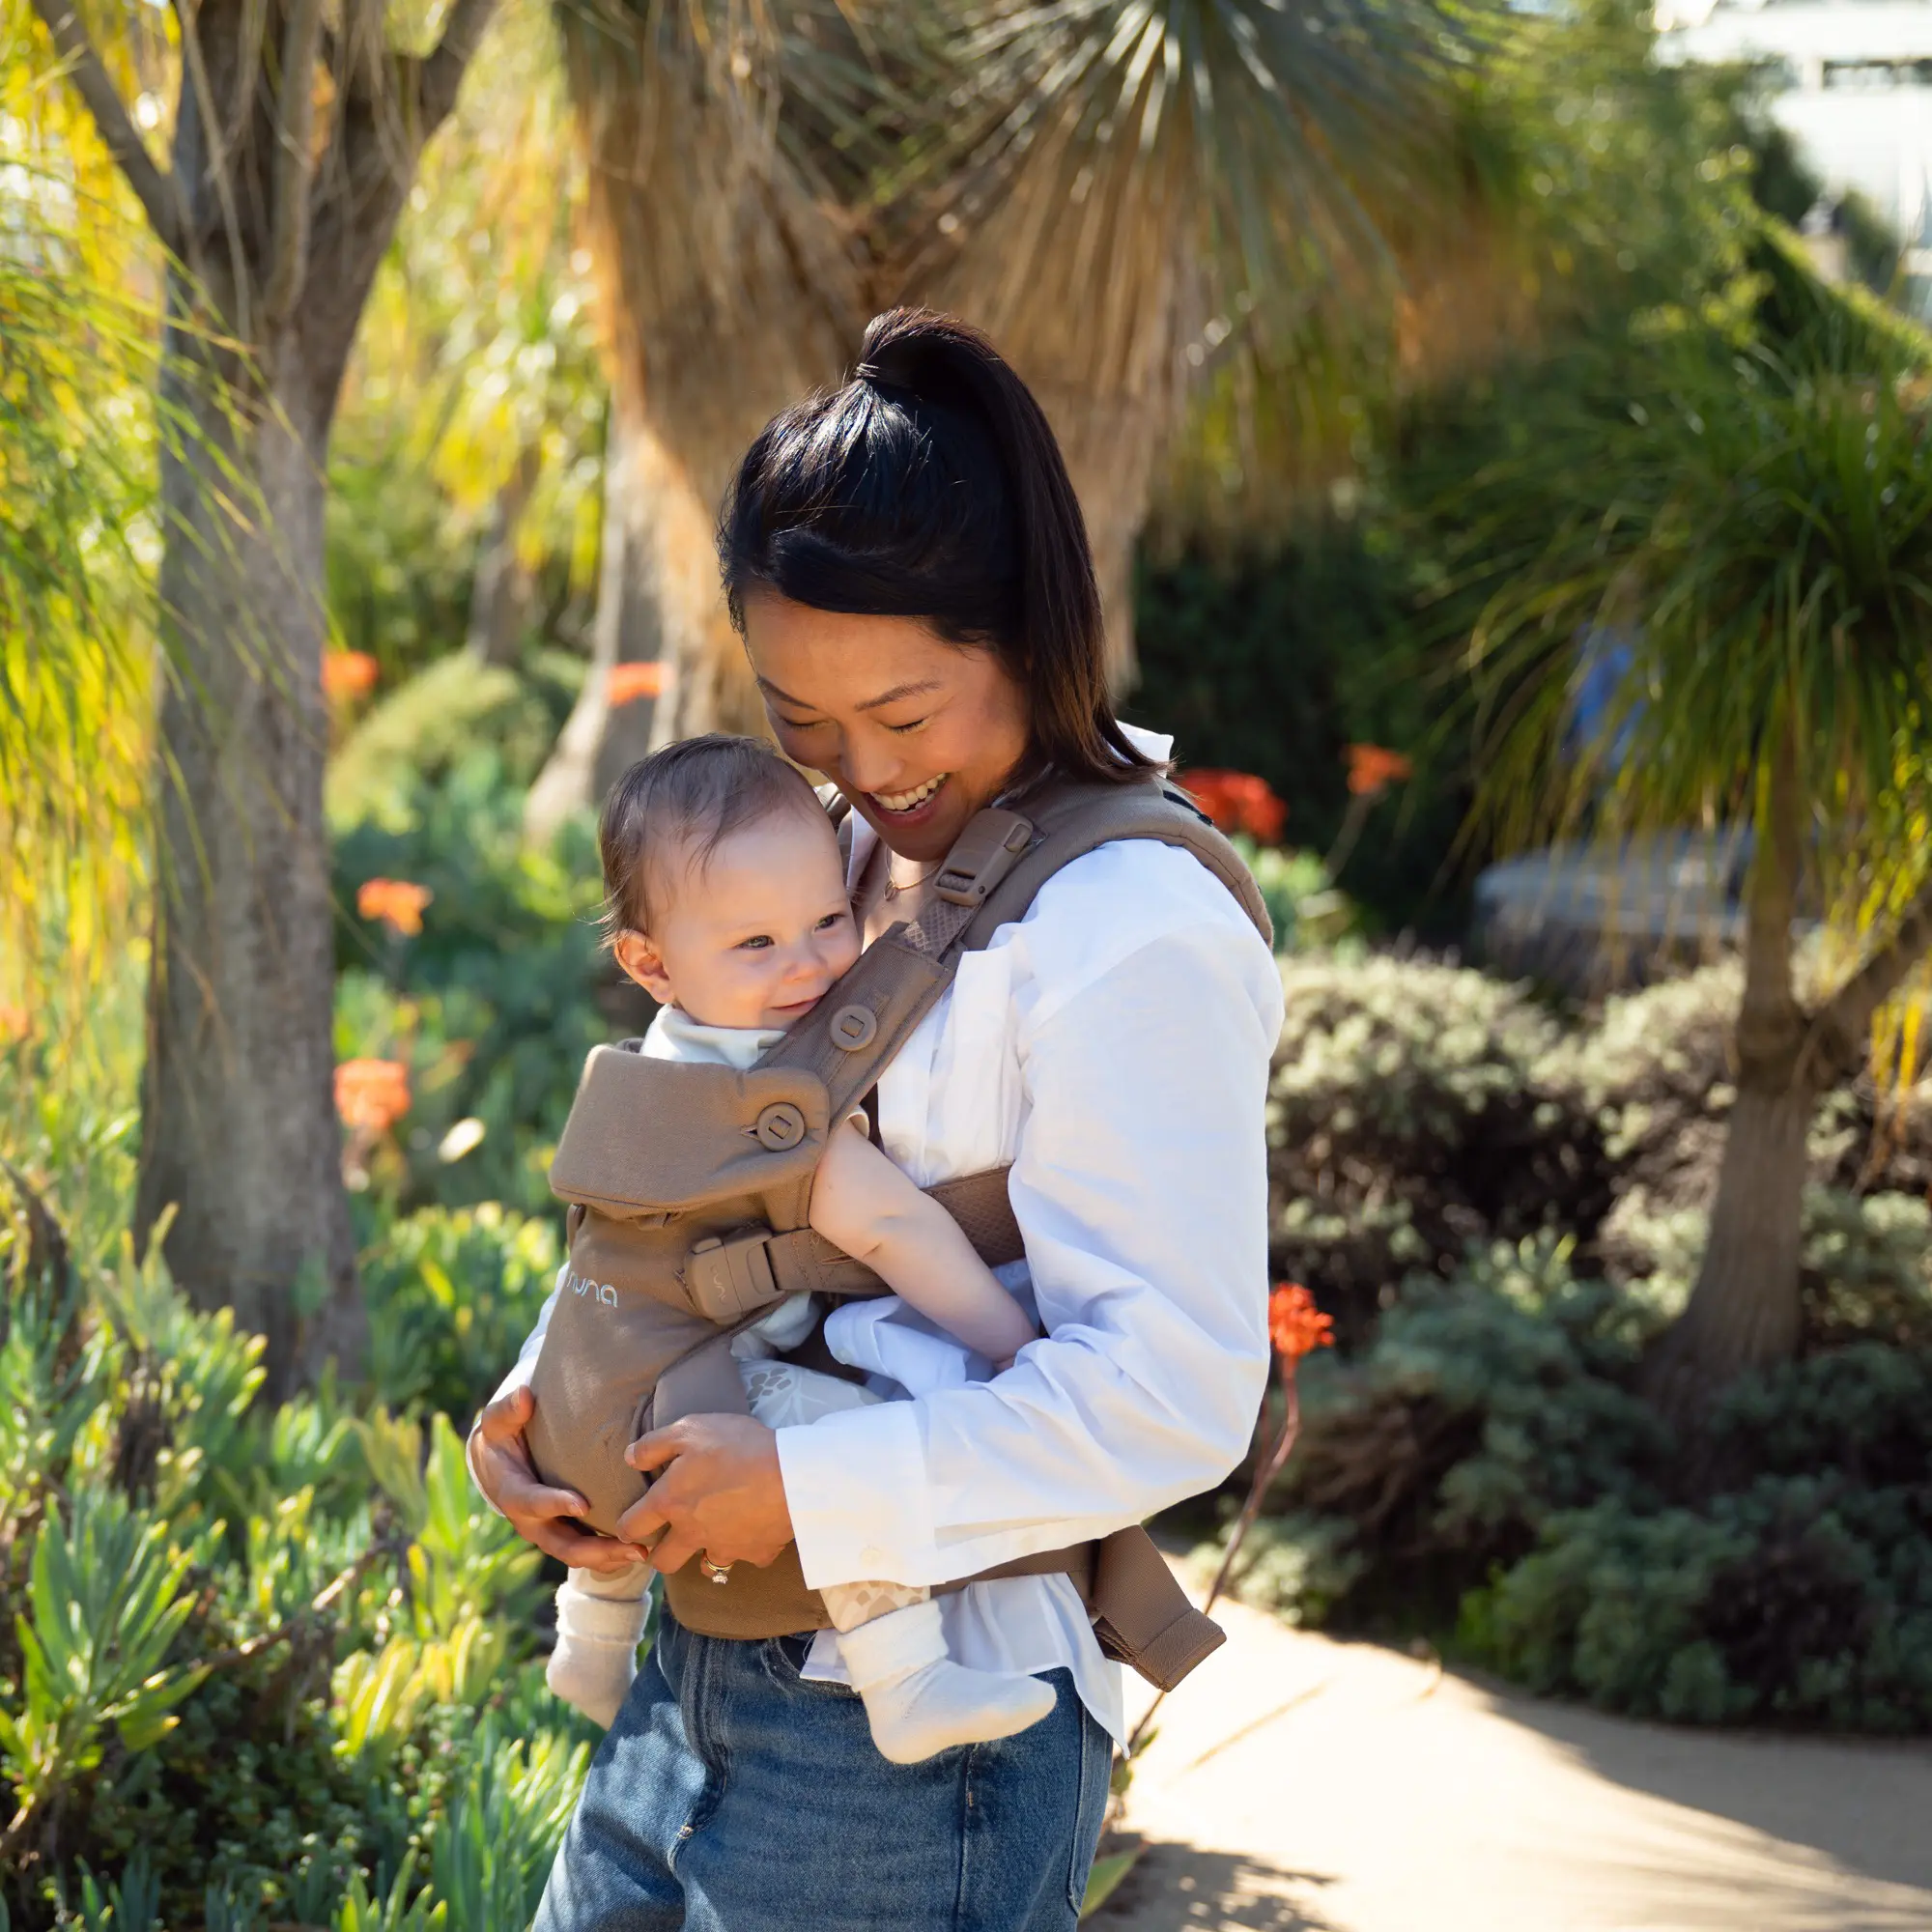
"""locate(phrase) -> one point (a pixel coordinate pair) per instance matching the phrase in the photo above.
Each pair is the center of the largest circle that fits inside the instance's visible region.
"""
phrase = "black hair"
(688, 798)
(930, 486)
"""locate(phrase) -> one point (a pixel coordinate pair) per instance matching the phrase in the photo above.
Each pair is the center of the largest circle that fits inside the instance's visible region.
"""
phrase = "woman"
(908, 567)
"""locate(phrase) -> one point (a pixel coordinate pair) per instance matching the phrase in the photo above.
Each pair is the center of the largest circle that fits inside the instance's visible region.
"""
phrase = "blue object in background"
(1605, 660)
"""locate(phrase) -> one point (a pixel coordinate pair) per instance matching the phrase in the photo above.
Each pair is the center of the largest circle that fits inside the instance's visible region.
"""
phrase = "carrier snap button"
(854, 1027)
(781, 1126)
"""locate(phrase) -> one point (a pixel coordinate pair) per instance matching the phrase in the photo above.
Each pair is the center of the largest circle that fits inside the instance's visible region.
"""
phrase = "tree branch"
(187, 13)
(156, 189)
(1839, 1029)
(367, 173)
(444, 70)
(294, 163)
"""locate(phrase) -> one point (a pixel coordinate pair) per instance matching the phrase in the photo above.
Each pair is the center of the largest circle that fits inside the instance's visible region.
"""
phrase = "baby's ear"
(637, 952)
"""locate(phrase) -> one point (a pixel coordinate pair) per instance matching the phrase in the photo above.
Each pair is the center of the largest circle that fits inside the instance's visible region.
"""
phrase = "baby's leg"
(600, 1622)
(917, 1700)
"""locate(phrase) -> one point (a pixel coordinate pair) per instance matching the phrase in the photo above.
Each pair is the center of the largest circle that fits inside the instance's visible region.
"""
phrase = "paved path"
(1304, 1785)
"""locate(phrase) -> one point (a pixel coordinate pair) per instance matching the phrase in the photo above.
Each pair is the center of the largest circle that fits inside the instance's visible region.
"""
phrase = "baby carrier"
(690, 1184)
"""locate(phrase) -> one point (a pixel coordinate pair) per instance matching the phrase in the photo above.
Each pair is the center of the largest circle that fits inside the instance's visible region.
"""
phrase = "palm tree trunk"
(1744, 1312)
(240, 1131)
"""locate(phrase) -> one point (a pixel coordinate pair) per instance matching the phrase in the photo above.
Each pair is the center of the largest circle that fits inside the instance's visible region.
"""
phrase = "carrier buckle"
(726, 1280)
(987, 850)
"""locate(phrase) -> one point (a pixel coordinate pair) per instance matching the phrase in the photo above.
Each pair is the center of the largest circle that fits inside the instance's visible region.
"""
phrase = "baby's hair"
(683, 802)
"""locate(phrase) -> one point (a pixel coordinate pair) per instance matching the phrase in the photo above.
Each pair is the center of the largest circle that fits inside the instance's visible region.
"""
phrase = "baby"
(726, 901)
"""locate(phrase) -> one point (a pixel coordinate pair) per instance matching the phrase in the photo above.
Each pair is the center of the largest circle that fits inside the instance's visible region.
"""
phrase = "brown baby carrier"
(689, 1186)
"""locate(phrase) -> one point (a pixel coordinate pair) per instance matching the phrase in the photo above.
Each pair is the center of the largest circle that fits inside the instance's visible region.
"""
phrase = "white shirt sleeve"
(1139, 1184)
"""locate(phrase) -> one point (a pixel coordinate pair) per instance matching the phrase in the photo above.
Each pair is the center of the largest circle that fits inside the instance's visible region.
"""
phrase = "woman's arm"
(1141, 1187)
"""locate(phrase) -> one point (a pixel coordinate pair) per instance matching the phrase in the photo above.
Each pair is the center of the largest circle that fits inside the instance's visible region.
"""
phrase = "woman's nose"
(870, 768)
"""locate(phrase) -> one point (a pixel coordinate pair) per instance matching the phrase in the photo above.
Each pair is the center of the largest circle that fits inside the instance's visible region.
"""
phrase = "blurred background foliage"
(302, 1683)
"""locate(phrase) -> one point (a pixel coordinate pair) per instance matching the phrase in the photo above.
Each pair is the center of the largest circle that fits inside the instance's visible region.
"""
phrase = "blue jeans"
(732, 1796)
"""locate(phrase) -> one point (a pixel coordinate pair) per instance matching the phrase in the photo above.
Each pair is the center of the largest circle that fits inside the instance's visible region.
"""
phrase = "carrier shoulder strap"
(1072, 821)
(990, 878)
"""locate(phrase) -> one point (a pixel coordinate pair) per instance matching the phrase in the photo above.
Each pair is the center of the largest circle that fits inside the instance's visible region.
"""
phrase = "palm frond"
(1754, 527)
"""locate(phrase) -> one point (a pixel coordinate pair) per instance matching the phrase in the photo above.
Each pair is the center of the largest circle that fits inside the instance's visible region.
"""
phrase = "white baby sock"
(596, 1654)
(918, 1701)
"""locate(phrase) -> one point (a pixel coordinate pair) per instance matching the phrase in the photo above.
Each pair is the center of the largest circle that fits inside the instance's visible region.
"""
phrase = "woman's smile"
(906, 808)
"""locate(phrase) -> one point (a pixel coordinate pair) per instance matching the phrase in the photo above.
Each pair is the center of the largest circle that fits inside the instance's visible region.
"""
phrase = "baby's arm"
(864, 1204)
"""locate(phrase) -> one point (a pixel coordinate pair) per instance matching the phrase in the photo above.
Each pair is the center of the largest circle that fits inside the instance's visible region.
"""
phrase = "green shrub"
(1484, 1464)
(1405, 1121)
(451, 1294)
(1798, 1598)
(269, 1666)
(1273, 665)
(1483, 1407)
(492, 1005)
(435, 722)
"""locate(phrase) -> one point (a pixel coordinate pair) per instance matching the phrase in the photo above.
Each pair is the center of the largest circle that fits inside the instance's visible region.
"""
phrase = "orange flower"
(348, 675)
(1238, 802)
(13, 1024)
(1295, 1326)
(372, 1094)
(397, 903)
(626, 682)
(1373, 769)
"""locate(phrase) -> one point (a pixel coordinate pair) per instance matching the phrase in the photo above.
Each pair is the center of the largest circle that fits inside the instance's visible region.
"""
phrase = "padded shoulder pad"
(669, 1135)
(1070, 821)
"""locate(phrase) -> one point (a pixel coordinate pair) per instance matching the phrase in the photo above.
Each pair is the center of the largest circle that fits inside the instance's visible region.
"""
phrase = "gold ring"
(719, 1572)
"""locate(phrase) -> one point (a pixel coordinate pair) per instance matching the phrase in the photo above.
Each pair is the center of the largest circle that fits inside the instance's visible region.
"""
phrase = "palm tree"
(1755, 519)
(294, 134)
(1125, 192)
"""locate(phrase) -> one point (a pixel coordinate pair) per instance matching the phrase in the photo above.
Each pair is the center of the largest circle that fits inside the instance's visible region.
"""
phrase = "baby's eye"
(830, 920)
(758, 942)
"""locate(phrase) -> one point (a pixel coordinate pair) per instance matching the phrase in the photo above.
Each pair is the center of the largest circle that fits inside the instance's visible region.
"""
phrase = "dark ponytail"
(930, 486)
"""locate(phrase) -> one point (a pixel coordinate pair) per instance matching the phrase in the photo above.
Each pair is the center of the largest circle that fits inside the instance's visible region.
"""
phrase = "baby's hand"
(857, 1194)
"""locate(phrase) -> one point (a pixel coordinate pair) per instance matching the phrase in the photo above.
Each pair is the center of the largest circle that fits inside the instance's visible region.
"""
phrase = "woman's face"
(917, 733)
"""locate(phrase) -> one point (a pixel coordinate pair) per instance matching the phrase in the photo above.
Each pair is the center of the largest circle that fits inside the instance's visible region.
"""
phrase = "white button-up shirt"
(1113, 1047)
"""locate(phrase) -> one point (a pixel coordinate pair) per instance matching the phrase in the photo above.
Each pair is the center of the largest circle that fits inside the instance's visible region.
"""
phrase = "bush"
(451, 1294)
(270, 1664)
(1485, 1466)
(1484, 1406)
(1407, 1119)
(1416, 1109)
(1800, 1599)
(492, 1005)
(1273, 665)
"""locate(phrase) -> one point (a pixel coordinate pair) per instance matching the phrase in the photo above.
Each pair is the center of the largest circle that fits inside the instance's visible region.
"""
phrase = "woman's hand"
(721, 1491)
(499, 1461)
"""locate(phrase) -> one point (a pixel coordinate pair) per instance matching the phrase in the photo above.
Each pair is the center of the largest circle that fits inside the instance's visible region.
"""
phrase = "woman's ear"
(638, 955)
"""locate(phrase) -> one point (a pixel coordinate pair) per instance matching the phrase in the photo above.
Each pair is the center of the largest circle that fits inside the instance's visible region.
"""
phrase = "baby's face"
(753, 937)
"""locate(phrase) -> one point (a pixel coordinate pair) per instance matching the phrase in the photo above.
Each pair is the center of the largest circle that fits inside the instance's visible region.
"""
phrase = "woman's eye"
(916, 724)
